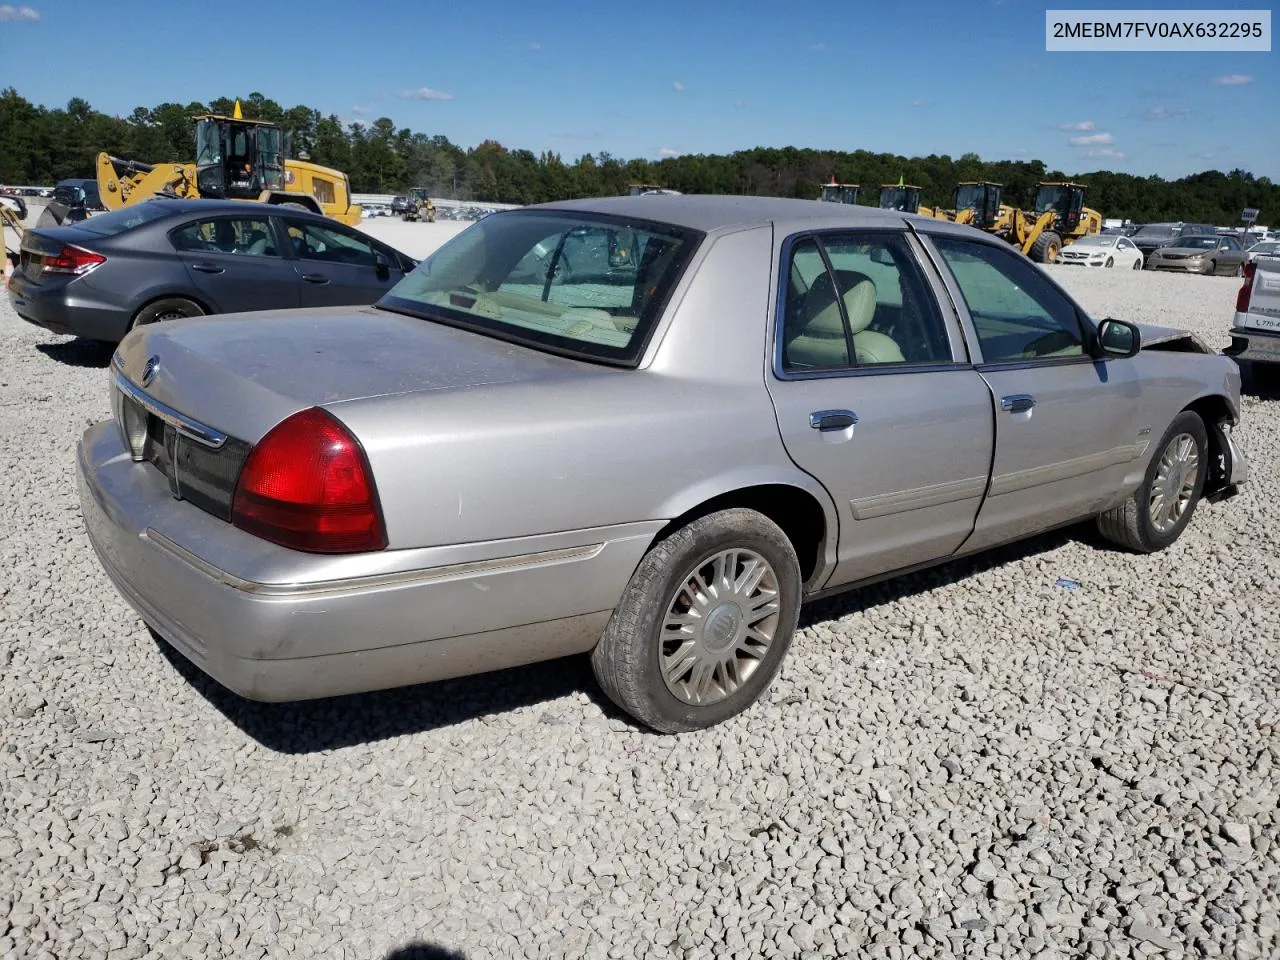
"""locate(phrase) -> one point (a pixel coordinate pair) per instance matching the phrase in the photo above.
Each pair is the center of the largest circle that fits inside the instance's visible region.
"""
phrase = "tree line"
(39, 145)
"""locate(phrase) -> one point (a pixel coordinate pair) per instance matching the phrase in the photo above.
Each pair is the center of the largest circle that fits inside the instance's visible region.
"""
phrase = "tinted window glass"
(1017, 314)
(592, 286)
(126, 218)
(312, 241)
(245, 236)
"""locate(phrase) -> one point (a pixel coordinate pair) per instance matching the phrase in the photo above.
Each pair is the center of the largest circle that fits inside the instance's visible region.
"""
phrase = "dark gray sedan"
(164, 259)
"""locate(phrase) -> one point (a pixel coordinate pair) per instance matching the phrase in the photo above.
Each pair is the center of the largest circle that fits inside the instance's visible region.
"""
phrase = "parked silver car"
(653, 443)
(1200, 254)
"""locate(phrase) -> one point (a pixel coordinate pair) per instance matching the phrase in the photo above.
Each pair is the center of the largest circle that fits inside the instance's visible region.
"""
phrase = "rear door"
(875, 399)
(234, 264)
(339, 266)
(1067, 430)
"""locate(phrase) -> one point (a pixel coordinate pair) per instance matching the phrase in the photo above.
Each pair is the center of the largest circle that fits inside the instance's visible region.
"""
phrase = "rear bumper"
(1253, 346)
(303, 633)
(68, 309)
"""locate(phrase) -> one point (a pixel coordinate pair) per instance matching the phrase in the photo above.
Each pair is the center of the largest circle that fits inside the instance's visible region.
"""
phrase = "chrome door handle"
(1018, 403)
(832, 419)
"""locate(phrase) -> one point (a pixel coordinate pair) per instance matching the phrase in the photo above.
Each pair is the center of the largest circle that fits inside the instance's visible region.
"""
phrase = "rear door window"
(243, 236)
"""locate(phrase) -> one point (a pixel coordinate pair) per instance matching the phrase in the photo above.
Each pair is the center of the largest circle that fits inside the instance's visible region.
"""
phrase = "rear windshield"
(126, 218)
(586, 286)
(1155, 230)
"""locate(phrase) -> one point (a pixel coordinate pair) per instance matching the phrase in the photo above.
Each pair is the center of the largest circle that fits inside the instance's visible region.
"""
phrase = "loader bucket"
(56, 213)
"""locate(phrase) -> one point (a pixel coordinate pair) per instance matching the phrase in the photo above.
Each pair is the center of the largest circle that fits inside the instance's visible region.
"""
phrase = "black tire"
(1046, 248)
(627, 660)
(1213, 268)
(1111, 262)
(169, 308)
(1239, 271)
(1137, 264)
(1129, 525)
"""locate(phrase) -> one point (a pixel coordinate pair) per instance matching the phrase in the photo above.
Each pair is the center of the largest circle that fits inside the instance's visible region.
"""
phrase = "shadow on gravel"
(79, 353)
(425, 951)
(908, 585)
(313, 725)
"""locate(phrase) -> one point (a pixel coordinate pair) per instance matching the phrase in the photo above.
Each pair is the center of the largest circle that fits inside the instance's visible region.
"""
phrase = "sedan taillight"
(308, 486)
(72, 259)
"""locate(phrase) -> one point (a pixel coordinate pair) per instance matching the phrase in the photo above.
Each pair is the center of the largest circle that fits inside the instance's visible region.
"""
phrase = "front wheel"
(1111, 261)
(1137, 264)
(1155, 516)
(704, 624)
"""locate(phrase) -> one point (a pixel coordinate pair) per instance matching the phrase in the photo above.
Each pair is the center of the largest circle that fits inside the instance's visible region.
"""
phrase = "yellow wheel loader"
(839, 192)
(904, 198)
(423, 209)
(236, 159)
(1059, 218)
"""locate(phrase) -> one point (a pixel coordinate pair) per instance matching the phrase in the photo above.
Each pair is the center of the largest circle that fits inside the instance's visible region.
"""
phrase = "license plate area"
(162, 448)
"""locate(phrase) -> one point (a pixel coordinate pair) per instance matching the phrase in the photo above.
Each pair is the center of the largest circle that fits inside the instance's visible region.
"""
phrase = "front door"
(1067, 428)
(338, 267)
(871, 401)
(234, 265)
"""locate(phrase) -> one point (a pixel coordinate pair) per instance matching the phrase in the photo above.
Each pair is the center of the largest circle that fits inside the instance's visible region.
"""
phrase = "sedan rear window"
(126, 218)
(588, 286)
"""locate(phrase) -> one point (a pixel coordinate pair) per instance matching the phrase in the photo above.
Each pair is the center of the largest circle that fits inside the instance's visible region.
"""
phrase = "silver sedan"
(644, 428)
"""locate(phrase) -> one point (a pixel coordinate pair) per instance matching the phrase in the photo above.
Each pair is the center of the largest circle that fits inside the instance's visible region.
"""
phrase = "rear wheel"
(1046, 248)
(1155, 516)
(703, 626)
(170, 308)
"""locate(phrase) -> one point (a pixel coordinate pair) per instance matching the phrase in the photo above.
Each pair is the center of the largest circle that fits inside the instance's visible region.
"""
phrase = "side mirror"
(882, 256)
(1118, 339)
(381, 265)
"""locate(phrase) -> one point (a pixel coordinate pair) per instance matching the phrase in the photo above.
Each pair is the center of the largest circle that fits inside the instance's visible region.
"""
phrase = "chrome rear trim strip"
(189, 428)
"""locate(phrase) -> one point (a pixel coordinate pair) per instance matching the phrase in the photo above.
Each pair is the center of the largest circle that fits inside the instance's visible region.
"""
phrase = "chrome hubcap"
(1174, 482)
(719, 626)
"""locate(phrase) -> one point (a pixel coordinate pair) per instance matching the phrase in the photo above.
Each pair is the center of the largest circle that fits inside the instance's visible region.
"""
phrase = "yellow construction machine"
(1059, 217)
(236, 159)
(839, 192)
(904, 198)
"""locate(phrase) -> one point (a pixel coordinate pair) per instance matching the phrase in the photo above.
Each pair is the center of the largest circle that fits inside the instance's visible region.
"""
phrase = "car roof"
(212, 207)
(722, 213)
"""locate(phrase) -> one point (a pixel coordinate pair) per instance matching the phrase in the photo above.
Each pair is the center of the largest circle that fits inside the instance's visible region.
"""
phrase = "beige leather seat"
(820, 341)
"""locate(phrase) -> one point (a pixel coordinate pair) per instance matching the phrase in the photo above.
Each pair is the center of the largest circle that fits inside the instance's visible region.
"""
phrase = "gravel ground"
(970, 762)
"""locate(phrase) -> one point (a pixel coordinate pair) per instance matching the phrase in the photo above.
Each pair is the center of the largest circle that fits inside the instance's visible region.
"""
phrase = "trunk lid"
(243, 373)
(43, 243)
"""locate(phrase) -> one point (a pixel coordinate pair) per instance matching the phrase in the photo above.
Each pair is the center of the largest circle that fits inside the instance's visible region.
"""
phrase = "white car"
(1263, 248)
(1103, 250)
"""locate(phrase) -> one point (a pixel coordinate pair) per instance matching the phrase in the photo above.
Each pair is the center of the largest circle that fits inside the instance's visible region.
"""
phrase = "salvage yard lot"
(971, 761)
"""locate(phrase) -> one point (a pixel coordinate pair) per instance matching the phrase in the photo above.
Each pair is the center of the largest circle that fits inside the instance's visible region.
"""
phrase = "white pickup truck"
(1255, 336)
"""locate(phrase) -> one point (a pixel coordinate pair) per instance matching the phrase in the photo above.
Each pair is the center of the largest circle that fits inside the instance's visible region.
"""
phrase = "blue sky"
(912, 77)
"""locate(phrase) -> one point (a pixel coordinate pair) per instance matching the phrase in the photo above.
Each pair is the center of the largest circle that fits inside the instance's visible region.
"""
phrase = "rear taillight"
(72, 259)
(307, 485)
(1246, 289)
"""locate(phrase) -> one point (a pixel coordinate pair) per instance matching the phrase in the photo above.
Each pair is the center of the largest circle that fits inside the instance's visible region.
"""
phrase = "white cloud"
(8, 12)
(1158, 113)
(1082, 125)
(1233, 80)
(739, 104)
(921, 103)
(535, 46)
(818, 47)
(668, 152)
(425, 93)
(1108, 154)
(677, 86)
(1092, 139)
